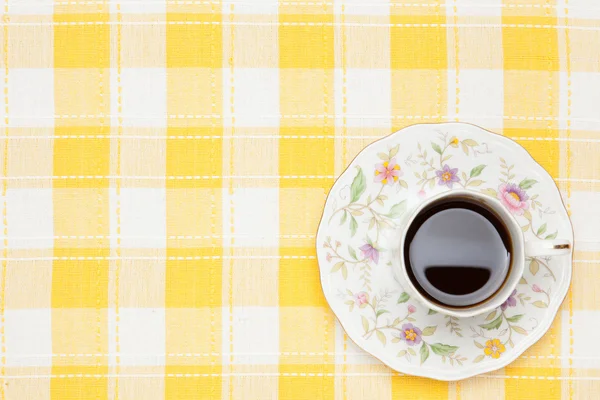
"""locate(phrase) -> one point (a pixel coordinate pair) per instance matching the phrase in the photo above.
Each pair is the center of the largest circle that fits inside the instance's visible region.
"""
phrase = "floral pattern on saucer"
(384, 182)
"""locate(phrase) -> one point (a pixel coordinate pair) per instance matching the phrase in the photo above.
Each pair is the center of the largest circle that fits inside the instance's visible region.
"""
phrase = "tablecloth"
(165, 163)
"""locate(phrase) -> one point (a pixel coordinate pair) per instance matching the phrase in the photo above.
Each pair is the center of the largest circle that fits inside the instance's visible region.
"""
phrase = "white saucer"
(354, 256)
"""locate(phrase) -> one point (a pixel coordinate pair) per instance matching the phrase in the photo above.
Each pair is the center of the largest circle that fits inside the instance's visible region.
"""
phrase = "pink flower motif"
(337, 244)
(387, 172)
(536, 289)
(411, 309)
(370, 252)
(448, 176)
(422, 194)
(361, 298)
(328, 257)
(513, 197)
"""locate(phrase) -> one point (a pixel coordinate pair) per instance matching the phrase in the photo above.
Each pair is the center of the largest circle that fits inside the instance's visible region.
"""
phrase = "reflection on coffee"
(455, 247)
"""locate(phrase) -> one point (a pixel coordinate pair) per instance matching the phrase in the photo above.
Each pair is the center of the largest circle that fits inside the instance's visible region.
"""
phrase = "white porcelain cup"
(502, 280)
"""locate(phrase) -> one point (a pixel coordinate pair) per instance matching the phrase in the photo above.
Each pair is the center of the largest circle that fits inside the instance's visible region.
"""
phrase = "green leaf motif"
(381, 337)
(358, 186)
(431, 312)
(519, 330)
(514, 318)
(397, 210)
(353, 226)
(411, 352)
(540, 304)
(443, 349)
(495, 324)
(403, 298)
(477, 170)
(436, 148)
(479, 358)
(365, 323)
(337, 266)
(381, 312)
(430, 330)
(352, 252)
(542, 229)
(424, 352)
(372, 223)
(552, 236)
(478, 344)
(470, 142)
(476, 182)
(345, 272)
(491, 316)
(394, 150)
(534, 267)
(344, 217)
(490, 192)
(527, 183)
(402, 353)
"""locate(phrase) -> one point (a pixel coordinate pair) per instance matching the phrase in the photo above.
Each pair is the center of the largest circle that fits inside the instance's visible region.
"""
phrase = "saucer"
(369, 200)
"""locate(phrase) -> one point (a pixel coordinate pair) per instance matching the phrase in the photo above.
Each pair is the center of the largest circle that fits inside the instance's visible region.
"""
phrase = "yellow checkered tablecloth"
(165, 162)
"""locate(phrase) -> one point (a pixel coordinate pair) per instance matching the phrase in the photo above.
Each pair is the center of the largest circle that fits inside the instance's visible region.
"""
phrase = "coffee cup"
(462, 253)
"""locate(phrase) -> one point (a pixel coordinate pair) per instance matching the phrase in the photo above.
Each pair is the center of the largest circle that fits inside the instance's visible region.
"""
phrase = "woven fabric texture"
(165, 163)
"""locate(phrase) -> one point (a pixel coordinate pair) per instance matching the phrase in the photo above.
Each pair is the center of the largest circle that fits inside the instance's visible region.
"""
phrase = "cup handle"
(557, 247)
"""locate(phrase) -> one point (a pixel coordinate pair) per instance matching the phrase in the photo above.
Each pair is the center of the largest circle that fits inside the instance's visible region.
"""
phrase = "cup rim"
(514, 273)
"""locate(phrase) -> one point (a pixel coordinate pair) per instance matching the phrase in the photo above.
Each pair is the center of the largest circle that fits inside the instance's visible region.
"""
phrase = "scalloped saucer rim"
(495, 352)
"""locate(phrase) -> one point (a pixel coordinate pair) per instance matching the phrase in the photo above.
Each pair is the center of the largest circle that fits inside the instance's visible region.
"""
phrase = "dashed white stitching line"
(579, 180)
(171, 237)
(291, 374)
(207, 177)
(279, 353)
(168, 178)
(314, 24)
(157, 258)
(172, 258)
(294, 116)
(188, 258)
(295, 3)
(242, 137)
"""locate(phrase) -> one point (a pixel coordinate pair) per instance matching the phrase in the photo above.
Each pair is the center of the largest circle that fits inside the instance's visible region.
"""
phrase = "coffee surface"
(455, 248)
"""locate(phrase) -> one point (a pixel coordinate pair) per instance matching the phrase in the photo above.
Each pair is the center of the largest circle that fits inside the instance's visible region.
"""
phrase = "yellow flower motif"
(494, 348)
(454, 142)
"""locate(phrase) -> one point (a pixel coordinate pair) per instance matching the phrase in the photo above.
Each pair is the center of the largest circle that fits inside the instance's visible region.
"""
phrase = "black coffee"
(456, 247)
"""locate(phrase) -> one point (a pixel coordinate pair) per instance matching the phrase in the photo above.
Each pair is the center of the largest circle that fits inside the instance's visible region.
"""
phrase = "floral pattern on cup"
(366, 208)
